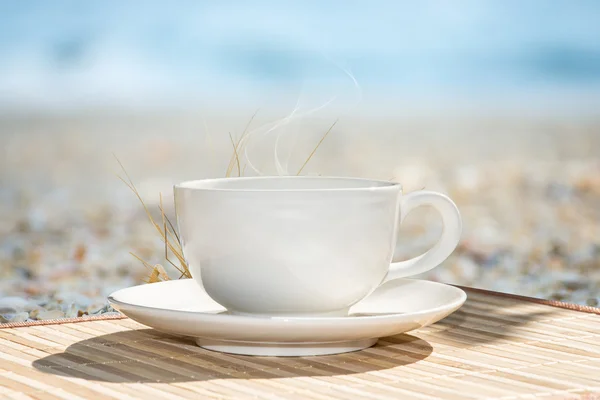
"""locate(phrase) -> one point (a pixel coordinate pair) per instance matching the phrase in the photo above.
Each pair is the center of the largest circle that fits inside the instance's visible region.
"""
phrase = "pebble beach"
(528, 190)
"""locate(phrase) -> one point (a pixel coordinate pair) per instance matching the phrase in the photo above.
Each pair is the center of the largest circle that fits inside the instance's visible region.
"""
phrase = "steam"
(279, 125)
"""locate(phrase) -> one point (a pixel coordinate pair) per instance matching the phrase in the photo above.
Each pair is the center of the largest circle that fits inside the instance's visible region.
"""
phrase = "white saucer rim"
(450, 306)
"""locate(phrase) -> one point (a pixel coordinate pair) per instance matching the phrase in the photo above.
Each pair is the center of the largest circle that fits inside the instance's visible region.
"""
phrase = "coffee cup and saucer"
(296, 266)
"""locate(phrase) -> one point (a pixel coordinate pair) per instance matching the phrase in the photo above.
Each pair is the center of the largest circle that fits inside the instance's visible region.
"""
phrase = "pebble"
(95, 308)
(20, 317)
(468, 178)
(50, 314)
(17, 317)
(467, 270)
(16, 304)
(71, 298)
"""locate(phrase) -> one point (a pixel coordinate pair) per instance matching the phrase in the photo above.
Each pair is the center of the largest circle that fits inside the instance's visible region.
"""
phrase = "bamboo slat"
(495, 347)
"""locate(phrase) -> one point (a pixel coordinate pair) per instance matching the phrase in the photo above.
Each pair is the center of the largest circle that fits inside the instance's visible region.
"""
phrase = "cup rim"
(370, 184)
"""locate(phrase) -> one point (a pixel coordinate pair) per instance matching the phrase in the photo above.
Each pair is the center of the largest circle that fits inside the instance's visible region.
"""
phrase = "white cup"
(301, 246)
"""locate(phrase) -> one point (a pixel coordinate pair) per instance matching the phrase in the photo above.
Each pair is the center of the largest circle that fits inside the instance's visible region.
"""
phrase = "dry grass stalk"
(316, 148)
(167, 230)
(235, 157)
(158, 274)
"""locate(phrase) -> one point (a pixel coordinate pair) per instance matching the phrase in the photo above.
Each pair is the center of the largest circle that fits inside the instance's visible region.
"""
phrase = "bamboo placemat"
(495, 346)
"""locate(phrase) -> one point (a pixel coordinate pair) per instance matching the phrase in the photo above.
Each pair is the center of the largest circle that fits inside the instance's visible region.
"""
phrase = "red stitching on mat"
(552, 303)
(61, 321)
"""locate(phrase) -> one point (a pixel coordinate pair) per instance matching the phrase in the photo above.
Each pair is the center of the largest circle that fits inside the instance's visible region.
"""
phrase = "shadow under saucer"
(147, 355)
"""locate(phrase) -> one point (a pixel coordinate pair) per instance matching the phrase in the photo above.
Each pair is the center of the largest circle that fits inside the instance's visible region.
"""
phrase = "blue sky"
(67, 53)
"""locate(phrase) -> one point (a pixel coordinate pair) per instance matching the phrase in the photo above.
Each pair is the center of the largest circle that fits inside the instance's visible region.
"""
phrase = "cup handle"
(452, 228)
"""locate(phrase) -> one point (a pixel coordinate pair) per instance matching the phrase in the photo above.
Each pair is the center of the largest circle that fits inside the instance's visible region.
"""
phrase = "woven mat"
(500, 347)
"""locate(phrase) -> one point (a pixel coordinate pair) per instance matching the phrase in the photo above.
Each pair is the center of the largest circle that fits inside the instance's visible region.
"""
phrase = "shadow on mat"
(147, 355)
(487, 319)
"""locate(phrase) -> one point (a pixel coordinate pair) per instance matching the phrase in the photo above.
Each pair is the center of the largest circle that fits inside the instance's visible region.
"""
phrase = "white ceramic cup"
(301, 246)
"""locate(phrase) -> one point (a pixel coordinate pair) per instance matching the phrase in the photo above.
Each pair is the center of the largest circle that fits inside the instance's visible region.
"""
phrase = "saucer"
(182, 308)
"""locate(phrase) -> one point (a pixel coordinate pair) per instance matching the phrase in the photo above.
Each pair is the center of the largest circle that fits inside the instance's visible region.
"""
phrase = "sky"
(70, 55)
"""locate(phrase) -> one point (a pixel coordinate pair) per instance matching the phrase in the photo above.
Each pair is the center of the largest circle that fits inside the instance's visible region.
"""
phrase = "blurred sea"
(67, 55)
